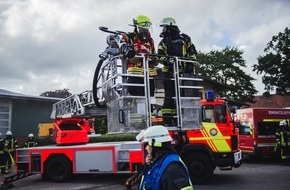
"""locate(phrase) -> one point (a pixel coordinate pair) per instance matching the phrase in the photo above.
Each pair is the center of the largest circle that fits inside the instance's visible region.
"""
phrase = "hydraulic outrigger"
(7, 181)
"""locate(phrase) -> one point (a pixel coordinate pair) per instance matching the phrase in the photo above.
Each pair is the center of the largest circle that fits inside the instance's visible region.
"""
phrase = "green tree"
(101, 125)
(225, 67)
(275, 65)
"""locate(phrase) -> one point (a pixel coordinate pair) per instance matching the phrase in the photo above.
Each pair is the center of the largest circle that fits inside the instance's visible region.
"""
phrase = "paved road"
(264, 174)
(251, 175)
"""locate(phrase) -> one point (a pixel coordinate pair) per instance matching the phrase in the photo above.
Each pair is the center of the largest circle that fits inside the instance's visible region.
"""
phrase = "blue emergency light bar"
(209, 95)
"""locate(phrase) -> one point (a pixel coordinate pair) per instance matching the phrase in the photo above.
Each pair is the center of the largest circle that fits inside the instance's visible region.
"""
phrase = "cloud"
(54, 44)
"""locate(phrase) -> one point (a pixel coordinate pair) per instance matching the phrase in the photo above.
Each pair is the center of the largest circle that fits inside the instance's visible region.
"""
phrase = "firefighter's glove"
(153, 61)
(193, 56)
(127, 50)
(168, 61)
(171, 60)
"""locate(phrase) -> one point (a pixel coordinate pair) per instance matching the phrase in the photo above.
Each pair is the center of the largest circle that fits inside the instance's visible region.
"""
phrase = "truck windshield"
(214, 114)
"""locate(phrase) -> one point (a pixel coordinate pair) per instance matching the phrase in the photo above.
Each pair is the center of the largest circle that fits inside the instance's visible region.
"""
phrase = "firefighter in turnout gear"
(30, 141)
(9, 152)
(283, 140)
(173, 44)
(142, 42)
(2, 156)
(164, 169)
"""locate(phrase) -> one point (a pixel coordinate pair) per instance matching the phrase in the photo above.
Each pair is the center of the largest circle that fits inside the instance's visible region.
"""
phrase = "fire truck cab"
(215, 144)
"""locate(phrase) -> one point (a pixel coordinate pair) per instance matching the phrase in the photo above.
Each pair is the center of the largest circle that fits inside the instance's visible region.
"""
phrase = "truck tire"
(59, 169)
(200, 167)
(96, 93)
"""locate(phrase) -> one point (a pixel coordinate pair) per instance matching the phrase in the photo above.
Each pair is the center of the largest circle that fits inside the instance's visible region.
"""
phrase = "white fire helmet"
(8, 133)
(168, 21)
(154, 135)
(283, 123)
(30, 135)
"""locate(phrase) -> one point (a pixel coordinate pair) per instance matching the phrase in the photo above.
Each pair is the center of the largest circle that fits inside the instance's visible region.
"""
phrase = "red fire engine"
(257, 128)
(204, 133)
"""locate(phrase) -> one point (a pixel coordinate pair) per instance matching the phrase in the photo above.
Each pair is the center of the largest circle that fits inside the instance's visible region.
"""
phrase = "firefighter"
(9, 152)
(2, 156)
(164, 169)
(30, 141)
(173, 44)
(142, 42)
(283, 140)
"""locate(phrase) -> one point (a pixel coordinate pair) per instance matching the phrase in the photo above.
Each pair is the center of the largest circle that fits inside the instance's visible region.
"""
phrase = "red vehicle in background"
(257, 128)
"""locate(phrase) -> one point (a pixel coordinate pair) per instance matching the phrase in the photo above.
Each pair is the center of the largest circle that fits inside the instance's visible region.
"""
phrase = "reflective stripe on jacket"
(30, 144)
(140, 47)
(11, 144)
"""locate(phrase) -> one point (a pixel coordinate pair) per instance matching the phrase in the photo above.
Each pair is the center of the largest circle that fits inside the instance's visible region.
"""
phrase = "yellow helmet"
(142, 21)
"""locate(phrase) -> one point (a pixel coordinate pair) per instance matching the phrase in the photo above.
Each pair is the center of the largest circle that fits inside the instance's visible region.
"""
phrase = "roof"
(272, 101)
(217, 85)
(15, 95)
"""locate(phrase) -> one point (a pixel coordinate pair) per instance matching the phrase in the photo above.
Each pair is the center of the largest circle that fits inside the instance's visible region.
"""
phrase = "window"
(4, 118)
(220, 114)
(69, 126)
(267, 128)
(244, 128)
(208, 114)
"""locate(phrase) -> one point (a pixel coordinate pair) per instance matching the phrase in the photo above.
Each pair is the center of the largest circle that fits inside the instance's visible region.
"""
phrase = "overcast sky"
(46, 45)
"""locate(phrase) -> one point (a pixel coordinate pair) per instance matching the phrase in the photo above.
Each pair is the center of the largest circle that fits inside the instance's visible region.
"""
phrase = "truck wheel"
(59, 169)
(200, 167)
(97, 93)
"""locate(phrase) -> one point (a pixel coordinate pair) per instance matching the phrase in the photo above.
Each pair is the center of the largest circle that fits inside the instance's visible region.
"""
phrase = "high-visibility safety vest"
(30, 144)
(151, 179)
(11, 144)
(180, 46)
(135, 65)
(168, 111)
(283, 137)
